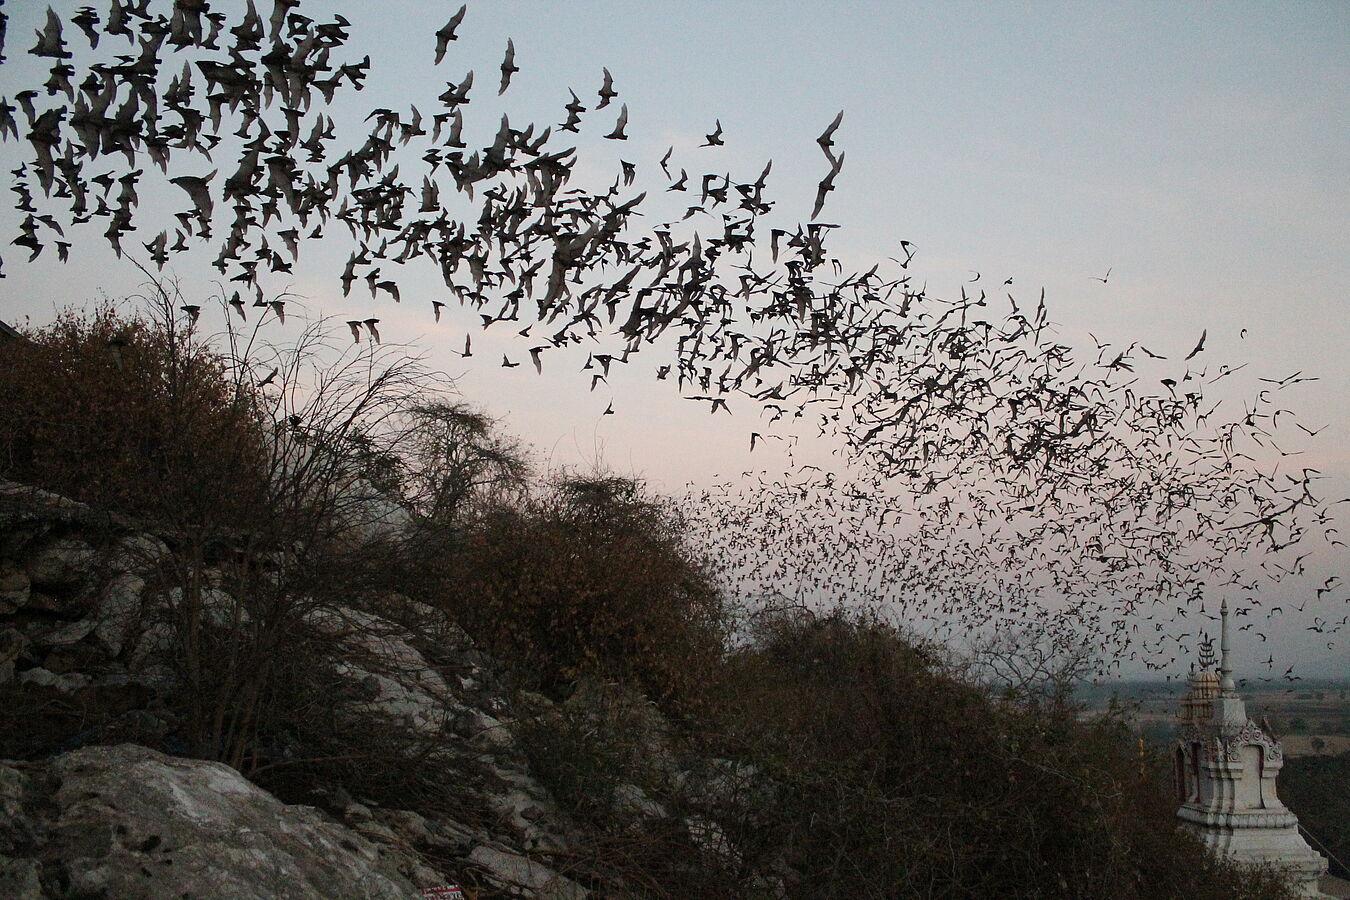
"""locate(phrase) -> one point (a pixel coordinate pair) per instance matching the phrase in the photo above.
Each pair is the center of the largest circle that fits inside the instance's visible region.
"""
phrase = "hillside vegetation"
(1315, 787)
(694, 748)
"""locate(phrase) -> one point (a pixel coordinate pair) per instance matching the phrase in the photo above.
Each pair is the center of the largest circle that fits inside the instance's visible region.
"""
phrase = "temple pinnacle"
(1226, 685)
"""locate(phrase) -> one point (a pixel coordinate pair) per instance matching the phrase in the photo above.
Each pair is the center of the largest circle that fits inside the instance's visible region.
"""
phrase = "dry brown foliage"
(128, 413)
(592, 575)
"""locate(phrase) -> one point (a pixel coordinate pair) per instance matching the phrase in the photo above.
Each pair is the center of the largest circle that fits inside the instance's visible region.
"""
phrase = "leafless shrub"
(1035, 665)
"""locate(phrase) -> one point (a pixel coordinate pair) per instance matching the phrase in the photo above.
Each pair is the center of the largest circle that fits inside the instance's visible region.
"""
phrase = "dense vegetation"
(837, 754)
(1316, 787)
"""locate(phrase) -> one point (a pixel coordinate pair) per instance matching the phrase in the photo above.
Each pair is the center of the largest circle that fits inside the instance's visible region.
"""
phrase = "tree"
(453, 455)
(1008, 452)
(590, 576)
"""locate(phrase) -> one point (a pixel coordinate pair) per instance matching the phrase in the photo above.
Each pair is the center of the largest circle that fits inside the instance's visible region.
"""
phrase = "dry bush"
(317, 537)
(590, 576)
(129, 412)
(582, 758)
(611, 760)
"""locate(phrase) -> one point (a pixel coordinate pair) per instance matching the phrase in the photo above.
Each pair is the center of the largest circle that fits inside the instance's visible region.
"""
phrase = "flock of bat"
(987, 475)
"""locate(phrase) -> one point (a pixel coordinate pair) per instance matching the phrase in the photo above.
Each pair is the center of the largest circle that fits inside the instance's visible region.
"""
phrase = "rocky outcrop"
(512, 871)
(97, 800)
(127, 822)
(84, 629)
(131, 823)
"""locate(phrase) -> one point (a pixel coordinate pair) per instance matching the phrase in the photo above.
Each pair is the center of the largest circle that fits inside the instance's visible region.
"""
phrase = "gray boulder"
(523, 876)
(131, 823)
(14, 587)
(25, 505)
(64, 561)
(218, 607)
(401, 686)
(139, 553)
(66, 633)
(119, 611)
(67, 684)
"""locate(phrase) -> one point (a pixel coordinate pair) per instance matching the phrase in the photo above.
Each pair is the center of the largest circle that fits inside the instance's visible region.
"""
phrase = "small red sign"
(443, 892)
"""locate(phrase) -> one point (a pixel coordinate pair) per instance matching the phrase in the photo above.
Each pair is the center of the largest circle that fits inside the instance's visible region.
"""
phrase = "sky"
(1198, 153)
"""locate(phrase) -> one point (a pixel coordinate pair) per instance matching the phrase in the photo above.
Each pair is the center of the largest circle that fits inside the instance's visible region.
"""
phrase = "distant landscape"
(1311, 718)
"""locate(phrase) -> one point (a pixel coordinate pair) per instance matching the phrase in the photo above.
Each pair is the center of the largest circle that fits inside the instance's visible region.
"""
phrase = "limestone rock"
(512, 871)
(20, 503)
(14, 587)
(520, 802)
(439, 834)
(397, 698)
(632, 802)
(401, 686)
(131, 823)
(23, 506)
(66, 684)
(487, 732)
(374, 831)
(69, 633)
(138, 554)
(63, 562)
(152, 644)
(709, 837)
(119, 609)
(218, 608)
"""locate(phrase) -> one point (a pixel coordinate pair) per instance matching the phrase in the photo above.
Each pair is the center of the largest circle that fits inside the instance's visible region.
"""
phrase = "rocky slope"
(98, 801)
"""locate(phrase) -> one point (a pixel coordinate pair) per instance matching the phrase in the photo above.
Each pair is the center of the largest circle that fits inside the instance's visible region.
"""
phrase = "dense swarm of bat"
(987, 474)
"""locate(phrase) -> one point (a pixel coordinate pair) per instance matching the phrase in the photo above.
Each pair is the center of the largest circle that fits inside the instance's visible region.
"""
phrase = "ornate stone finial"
(1207, 659)
(1225, 660)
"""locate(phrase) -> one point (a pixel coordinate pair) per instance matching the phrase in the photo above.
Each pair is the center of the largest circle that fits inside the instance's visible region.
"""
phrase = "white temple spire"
(1225, 660)
(1226, 767)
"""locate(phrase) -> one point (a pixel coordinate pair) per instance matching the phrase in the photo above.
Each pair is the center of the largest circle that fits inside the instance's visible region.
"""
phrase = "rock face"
(100, 805)
(130, 823)
(513, 871)
(84, 597)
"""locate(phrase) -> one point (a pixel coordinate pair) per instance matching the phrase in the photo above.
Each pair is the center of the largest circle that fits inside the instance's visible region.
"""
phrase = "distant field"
(1309, 720)
(1302, 744)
